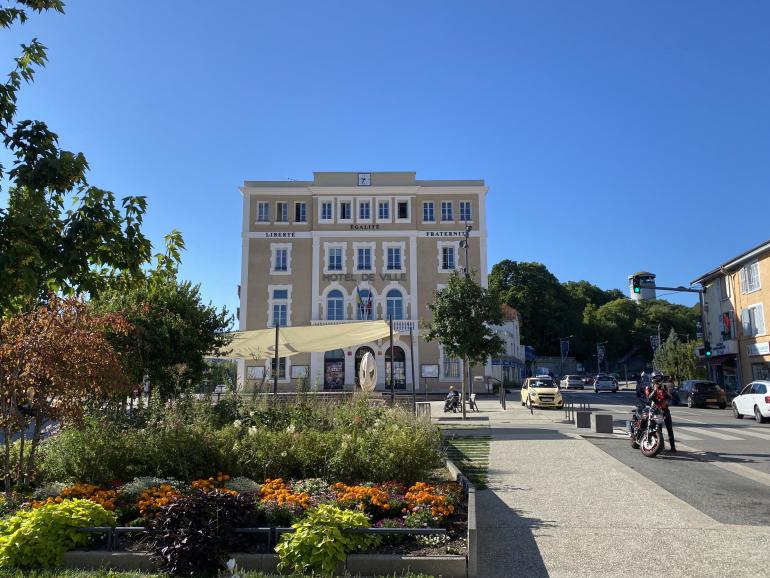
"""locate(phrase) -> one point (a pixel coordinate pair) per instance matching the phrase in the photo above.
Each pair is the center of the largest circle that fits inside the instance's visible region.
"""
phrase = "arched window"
(335, 306)
(395, 304)
(364, 305)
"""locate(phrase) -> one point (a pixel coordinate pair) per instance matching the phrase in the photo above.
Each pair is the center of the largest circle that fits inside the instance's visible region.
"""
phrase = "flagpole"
(392, 383)
(275, 361)
(411, 355)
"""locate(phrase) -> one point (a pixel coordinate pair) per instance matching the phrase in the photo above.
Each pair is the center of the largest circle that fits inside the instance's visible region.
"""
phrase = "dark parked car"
(696, 392)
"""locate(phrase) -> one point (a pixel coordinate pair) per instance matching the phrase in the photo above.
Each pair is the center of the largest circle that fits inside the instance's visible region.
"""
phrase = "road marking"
(678, 417)
(747, 432)
(741, 470)
(686, 437)
(709, 433)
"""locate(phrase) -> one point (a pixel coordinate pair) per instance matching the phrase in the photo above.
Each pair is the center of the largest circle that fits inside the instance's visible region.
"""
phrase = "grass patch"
(471, 455)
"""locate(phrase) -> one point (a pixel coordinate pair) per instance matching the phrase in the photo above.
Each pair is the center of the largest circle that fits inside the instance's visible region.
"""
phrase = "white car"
(605, 383)
(754, 401)
(570, 381)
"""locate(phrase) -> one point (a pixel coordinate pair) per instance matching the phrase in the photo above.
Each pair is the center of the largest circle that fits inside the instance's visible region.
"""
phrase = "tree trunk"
(36, 436)
(462, 397)
(7, 463)
(22, 439)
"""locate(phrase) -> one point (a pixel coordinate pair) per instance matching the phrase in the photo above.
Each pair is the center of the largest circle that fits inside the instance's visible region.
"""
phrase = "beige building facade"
(737, 305)
(350, 246)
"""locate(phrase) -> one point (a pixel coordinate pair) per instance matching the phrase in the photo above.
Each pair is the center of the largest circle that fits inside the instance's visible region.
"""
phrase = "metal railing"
(273, 533)
(571, 407)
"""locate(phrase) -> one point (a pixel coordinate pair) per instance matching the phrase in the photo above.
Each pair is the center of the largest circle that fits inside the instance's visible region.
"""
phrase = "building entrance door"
(334, 369)
(360, 352)
(399, 368)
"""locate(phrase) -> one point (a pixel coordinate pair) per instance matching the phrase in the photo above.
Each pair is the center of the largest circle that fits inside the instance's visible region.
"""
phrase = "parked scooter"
(645, 429)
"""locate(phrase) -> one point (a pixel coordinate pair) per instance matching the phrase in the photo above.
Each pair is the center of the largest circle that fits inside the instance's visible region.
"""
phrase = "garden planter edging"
(466, 484)
(357, 564)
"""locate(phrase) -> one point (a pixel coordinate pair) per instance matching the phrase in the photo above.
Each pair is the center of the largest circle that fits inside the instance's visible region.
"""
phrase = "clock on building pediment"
(364, 179)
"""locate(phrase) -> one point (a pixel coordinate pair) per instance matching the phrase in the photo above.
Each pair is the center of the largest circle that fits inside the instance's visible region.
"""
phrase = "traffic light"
(707, 349)
(636, 284)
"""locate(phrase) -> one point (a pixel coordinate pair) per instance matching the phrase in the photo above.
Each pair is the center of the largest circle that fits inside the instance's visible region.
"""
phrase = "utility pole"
(467, 368)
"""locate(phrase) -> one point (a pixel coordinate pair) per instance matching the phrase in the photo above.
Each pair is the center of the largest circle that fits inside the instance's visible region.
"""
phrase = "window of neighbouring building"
(427, 212)
(465, 211)
(335, 306)
(753, 320)
(394, 259)
(451, 367)
(728, 325)
(280, 307)
(263, 212)
(403, 209)
(446, 211)
(395, 304)
(750, 277)
(345, 211)
(335, 258)
(327, 211)
(282, 212)
(364, 260)
(300, 212)
(383, 210)
(760, 371)
(281, 367)
(725, 287)
(364, 210)
(281, 260)
(447, 258)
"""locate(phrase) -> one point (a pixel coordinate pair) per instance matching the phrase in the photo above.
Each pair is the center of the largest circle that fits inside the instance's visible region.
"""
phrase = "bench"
(472, 403)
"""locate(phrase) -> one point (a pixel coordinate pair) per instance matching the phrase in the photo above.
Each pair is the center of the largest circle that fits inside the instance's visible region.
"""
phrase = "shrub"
(38, 538)
(193, 534)
(318, 543)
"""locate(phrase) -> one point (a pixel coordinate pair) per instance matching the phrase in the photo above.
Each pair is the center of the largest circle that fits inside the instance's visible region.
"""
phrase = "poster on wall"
(255, 372)
(334, 374)
(429, 370)
(298, 371)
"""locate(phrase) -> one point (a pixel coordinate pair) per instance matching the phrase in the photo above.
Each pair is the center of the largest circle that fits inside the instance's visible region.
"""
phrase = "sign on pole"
(600, 351)
(564, 348)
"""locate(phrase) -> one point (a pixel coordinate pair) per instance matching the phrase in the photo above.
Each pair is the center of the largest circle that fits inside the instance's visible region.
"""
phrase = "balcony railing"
(400, 325)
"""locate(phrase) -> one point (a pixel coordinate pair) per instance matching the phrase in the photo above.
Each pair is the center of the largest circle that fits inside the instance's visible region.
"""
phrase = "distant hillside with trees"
(551, 309)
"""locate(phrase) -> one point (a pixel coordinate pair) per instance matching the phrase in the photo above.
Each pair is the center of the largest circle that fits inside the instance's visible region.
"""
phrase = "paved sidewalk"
(559, 506)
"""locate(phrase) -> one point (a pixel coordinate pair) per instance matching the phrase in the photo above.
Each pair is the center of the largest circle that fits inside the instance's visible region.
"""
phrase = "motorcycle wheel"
(652, 445)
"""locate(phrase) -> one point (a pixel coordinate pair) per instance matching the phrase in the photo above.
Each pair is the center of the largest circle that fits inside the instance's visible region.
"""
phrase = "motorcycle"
(452, 404)
(645, 429)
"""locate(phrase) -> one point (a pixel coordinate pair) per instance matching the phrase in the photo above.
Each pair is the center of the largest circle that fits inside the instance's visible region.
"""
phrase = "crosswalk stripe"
(710, 433)
(686, 437)
(748, 432)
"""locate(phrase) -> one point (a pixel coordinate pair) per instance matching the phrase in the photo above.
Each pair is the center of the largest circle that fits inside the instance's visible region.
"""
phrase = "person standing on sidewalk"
(661, 397)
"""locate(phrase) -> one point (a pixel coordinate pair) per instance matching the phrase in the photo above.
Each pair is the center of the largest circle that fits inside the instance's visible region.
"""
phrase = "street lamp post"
(467, 367)
(599, 356)
(562, 353)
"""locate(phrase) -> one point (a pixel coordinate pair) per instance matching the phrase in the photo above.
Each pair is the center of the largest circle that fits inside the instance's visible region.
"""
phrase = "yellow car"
(541, 391)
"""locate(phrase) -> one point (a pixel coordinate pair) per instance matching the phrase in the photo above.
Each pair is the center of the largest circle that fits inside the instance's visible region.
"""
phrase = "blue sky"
(614, 136)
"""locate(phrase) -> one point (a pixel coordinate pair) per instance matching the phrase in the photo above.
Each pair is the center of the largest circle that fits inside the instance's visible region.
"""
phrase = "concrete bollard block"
(583, 419)
(423, 410)
(602, 423)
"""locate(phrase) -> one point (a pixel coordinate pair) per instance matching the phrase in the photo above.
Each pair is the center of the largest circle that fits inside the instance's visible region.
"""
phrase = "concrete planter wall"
(357, 564)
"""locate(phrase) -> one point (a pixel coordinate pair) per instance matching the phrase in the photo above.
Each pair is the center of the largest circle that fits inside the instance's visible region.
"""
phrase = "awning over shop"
(259, 344)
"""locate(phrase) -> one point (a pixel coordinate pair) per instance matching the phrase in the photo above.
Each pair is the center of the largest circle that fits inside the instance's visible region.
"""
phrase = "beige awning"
(260, 343)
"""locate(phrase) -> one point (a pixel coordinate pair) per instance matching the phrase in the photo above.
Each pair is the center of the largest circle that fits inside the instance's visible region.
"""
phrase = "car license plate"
(711, 401)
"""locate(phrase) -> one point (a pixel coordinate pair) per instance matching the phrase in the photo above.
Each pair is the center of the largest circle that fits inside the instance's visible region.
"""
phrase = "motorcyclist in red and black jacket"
(658, 394)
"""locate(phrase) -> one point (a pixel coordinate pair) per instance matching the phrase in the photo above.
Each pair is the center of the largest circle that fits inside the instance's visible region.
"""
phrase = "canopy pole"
(411, 356)
(392, 383)
(275, 362)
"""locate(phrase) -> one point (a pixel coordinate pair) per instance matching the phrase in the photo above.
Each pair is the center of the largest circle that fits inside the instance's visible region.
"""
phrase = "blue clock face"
(364, 179)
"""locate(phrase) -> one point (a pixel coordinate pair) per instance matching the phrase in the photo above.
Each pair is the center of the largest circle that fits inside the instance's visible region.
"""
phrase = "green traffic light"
(708, 353)
(637, 289)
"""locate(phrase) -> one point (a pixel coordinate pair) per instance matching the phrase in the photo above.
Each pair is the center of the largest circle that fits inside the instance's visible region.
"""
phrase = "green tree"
(676, 359)
(462, 315)
(173, 330)
(58, 232)
(542, 301)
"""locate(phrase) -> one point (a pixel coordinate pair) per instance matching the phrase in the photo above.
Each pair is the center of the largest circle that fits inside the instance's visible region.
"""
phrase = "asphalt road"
(722, 467)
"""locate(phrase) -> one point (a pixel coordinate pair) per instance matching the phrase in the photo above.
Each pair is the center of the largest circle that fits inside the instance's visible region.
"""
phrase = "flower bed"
(172, 511)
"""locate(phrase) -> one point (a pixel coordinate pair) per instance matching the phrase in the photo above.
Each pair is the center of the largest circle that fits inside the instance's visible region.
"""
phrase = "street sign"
(564, 348)
(600, 348)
